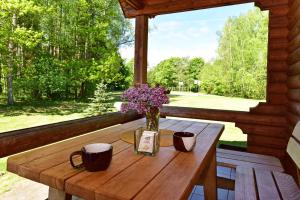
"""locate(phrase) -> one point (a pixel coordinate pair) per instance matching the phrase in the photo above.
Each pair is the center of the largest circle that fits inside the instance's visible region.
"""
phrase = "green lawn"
(24, 115)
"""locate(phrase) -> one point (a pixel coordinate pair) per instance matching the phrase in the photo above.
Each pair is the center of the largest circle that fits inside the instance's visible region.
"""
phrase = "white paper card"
(146, 142)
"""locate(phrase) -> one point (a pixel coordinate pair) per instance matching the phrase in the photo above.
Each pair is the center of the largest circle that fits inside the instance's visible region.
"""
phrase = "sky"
(188, 34)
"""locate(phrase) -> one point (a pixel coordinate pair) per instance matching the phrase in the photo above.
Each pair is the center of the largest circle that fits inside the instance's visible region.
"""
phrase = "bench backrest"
(293, 148)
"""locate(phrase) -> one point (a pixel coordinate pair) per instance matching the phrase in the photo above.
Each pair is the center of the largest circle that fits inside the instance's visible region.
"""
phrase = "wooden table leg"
(210, 180)
(55, 194)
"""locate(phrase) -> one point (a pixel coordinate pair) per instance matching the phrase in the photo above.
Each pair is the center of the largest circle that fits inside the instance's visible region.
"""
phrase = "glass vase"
(152, 119)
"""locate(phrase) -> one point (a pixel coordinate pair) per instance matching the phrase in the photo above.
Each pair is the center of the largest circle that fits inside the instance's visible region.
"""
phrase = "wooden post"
(141, 50)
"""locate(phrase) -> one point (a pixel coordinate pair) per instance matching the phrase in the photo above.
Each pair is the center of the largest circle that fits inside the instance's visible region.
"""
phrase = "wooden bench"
(228, 160)
(254, 184)
(264, 181)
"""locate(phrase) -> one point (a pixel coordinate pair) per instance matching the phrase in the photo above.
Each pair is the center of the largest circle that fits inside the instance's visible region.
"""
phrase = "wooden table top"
(168, 175)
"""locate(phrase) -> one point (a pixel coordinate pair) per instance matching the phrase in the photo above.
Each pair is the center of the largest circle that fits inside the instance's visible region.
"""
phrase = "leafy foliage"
(62, 49)
(239, 69)
(102, 102)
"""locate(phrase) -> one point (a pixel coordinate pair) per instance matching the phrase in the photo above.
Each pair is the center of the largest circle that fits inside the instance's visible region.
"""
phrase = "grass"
(30, 114)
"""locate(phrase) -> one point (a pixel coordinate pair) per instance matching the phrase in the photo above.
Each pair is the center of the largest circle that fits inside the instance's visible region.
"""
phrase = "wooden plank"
(245, 184)
(85, 183)
(21, 140)
(141, 50)
(234, 163)
(55, 194)
(265, 141)
(293, 150)
(16, 160)
(173, 6)
(266, 185)
(287, 186)
(128, 183)
(243, 156)
(223, 115)
(33, 168)
(184, 170)
(210, 181)
(279, 153)
(56, 176)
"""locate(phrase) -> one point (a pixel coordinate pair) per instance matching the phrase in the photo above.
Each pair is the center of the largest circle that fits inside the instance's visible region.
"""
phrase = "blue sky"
(187, 34)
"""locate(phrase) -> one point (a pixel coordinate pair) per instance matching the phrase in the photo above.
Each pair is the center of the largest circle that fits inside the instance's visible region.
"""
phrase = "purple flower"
(142, 98)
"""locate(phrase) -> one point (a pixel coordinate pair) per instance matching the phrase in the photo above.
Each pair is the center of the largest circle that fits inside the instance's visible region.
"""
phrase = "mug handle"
(71, 159)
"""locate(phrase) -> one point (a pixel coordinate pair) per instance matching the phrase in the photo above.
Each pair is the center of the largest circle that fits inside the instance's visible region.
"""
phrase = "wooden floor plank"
(287, 186)
(266, 185)
(245, 184)
(175, 175)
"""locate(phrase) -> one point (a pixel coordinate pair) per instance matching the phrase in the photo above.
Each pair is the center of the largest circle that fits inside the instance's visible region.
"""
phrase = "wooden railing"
(222, 115)
(25, 139)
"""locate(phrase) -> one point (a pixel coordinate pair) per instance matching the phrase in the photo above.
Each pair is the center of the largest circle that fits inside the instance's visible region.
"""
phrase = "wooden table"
(168, 175)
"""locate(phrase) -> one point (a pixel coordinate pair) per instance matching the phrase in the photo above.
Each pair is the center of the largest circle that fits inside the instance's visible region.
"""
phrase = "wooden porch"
(268, 126)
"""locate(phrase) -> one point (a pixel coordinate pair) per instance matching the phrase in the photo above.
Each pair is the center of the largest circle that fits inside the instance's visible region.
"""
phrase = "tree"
(16, 35)
(240, 67)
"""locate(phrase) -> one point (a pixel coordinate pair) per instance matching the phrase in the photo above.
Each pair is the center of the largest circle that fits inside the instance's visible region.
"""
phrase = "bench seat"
(232, 159)
(255, 183)
(228, 160)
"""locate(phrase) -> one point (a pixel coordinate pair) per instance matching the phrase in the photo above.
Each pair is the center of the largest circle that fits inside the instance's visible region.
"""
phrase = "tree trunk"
(10, 96)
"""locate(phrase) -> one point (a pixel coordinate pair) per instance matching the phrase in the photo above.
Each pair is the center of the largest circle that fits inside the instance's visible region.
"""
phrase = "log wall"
(293, 81)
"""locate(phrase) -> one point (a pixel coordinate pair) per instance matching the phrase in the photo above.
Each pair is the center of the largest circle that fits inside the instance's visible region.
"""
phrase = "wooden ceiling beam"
(135, 4)
(158, 7)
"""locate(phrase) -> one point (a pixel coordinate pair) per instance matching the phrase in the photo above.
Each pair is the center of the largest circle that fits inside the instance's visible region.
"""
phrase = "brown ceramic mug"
(95, 157)
(184, 141)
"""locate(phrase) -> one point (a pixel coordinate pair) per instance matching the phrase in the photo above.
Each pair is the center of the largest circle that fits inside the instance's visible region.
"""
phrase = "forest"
(62, 50)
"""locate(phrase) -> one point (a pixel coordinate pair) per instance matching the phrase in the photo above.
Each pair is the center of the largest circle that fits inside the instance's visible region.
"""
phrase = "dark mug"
(184, 141)
(95, 157)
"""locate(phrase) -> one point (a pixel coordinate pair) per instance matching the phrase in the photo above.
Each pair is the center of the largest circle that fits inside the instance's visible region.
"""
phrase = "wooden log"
(294, 30)
(292, 118)
(268, 131)
(223, 115)
(294, 43)
(277, 88)
(25, 139)
(276, 33)
(277, 99)
(258, 140)
(278, 44)
(277, 77)
(294, 94)
(159, 7)
(279, 153)
(294, 81)
(294, 107)
(278, 21)
(277, 66)
(294, 69)
(278, 55)
(268, 109)
(282, 10)
(294, 57)
(141, 50)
